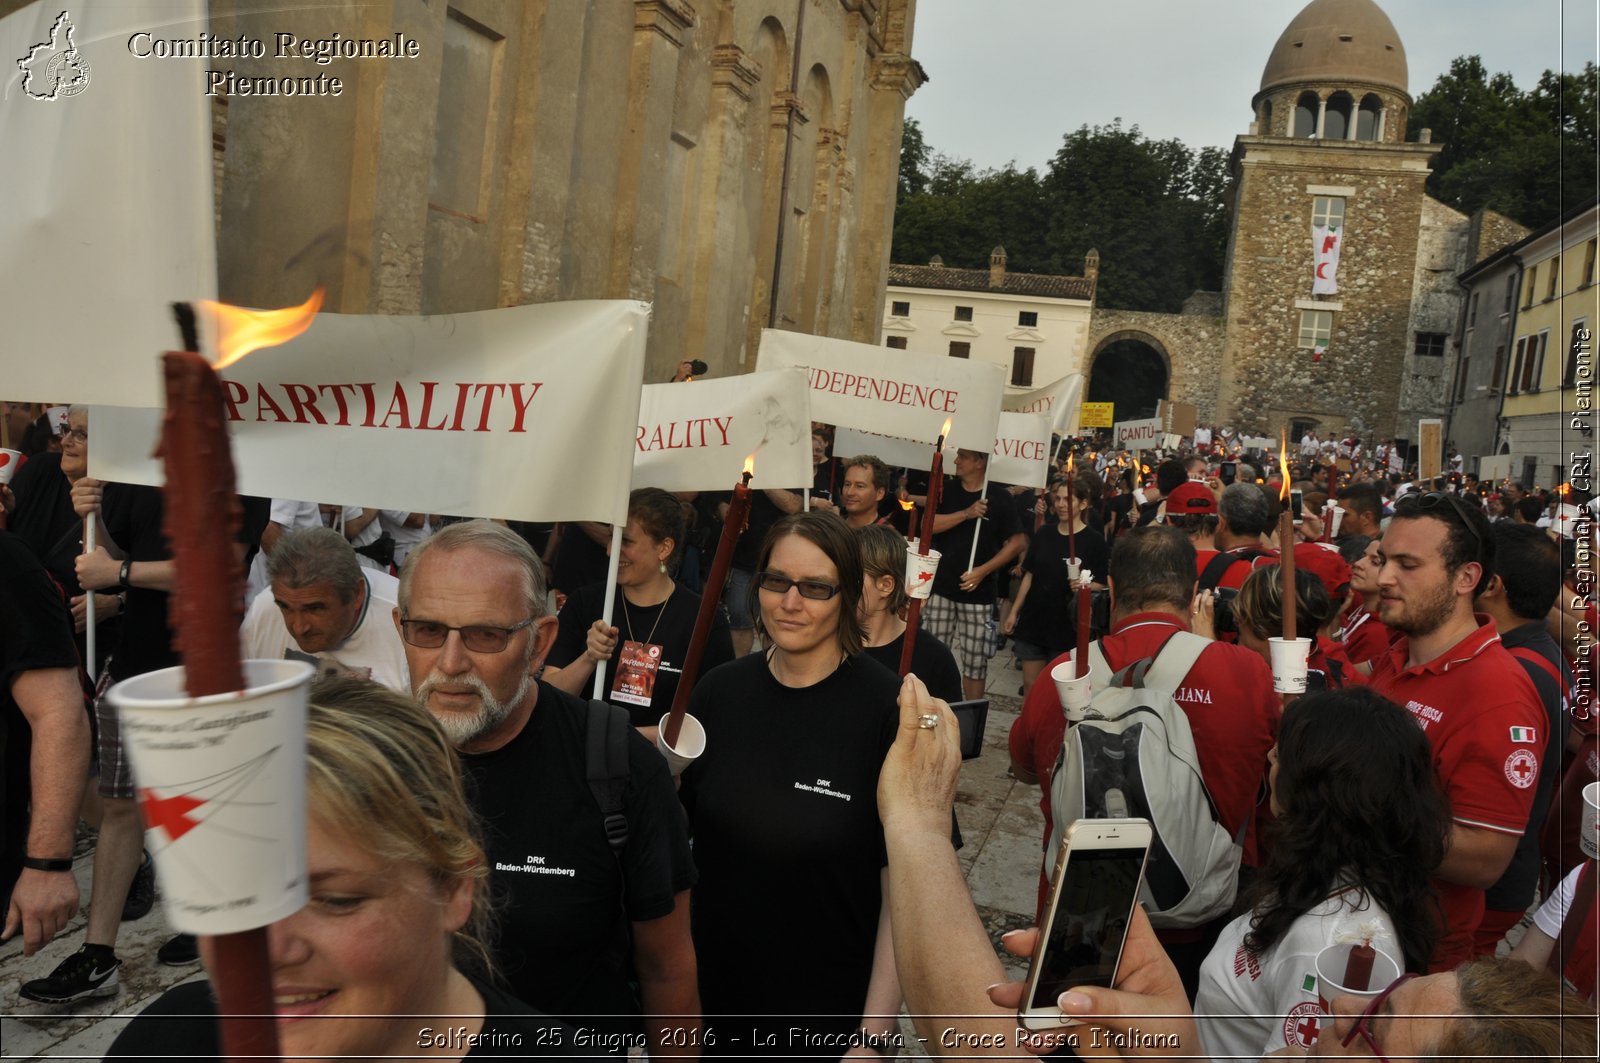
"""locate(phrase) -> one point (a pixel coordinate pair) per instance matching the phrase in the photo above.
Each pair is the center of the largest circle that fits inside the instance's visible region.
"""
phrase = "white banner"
(858, 385)
(694, 436)
(1060, 399)
(892, 451)
(1325, 243)
(488, 414)
(1138, 435)
(105, 198)
(1021, 450)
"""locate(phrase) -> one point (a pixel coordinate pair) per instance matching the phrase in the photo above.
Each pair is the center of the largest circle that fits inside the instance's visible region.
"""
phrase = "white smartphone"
(1092, 893)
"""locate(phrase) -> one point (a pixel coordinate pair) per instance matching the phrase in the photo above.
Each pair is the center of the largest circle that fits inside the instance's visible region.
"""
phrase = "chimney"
(997, 267)
(936, 262)
(1425, 136)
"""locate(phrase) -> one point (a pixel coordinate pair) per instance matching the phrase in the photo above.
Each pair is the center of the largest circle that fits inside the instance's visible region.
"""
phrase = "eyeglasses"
(479, 638)
(814, 589)
(1363, 1025)
(1434, 499)
(79, 434)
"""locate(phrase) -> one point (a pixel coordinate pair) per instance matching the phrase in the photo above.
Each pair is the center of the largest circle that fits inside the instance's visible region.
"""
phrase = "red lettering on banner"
(722, 424)
(461, 406)
(488, 391)
(235, 394)
(302, 405)
(338, 398)
(1029, 449)
(262, 397)
(372, 406)
(522, 407)
(427, 405)
(894, 392)
(398, 403)
(1328, 242)
(683, 435)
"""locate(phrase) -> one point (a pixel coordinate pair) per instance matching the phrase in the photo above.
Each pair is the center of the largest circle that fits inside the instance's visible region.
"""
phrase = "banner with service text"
(1021, 450)
(877, 389)
(487, 414)
(1059, 399)
(1020, 455)
(695, 435)
(105, 198)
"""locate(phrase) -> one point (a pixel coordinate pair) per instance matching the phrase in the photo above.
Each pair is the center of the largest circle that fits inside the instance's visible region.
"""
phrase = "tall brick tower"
(1326, 186)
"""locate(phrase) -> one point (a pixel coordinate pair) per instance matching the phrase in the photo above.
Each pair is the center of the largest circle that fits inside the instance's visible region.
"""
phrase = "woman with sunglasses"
(1360, 824)
(790, 928)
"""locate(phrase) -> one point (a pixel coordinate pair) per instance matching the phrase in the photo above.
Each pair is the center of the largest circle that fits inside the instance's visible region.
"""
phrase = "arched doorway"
(1132, 371)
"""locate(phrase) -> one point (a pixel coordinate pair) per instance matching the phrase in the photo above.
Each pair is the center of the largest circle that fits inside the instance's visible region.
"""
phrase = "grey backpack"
(1133, 755)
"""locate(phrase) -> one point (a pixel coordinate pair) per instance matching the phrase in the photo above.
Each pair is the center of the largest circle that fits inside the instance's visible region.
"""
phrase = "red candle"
(202, 518)
(1072, 513)
(1085, 618)
(1358, 968)
(732, 527)
(1286, 544)
(930, 512)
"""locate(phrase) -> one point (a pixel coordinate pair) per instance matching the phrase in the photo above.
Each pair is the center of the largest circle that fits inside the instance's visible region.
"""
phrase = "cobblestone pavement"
(1000, 824)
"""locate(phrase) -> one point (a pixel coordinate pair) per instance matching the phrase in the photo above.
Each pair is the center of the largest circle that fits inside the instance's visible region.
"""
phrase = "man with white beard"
(472, 616)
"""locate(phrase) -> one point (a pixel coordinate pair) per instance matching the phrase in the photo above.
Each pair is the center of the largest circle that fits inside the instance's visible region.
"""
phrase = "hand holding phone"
(1092, 896)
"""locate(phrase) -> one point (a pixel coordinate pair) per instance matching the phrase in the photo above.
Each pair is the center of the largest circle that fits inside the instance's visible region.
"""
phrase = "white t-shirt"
(1248, 1006)
(373, 650)
(393, 521)
(1202, 436)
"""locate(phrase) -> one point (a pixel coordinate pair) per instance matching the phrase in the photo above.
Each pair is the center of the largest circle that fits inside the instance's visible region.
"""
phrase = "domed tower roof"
(1338, 41)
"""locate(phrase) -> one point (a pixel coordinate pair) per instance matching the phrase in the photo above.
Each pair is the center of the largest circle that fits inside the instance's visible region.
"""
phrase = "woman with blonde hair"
(388, 956)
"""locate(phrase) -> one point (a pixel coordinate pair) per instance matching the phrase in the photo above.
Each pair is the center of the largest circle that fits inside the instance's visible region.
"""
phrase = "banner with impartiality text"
(1059, 399)
(487, 414)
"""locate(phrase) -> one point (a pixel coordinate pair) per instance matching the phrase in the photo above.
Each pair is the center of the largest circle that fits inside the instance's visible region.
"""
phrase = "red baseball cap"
(1191, 498)
(1323, 561)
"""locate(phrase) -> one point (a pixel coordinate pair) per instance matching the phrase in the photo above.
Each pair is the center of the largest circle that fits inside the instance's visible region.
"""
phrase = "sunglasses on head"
(1435, 499)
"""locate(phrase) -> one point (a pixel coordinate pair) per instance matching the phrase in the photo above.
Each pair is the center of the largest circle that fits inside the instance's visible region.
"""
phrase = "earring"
(663, 567)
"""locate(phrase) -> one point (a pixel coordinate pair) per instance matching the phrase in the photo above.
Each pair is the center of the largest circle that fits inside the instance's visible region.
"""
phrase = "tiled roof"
(977, 280)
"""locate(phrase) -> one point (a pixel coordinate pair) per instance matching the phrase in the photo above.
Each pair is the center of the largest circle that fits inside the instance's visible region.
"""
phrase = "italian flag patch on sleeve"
(1310, 983)
(1523, 734)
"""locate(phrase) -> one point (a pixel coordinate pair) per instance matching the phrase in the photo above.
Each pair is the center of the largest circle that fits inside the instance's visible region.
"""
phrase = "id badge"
(636, 673)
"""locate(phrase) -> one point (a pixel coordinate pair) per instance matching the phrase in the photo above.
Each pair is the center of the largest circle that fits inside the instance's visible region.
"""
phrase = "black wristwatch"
(38, 863)
(125, 574)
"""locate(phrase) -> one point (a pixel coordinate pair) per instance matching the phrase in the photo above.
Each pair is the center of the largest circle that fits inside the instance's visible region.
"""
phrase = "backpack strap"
(606, 760)
(1217, 567)
(1174, 660)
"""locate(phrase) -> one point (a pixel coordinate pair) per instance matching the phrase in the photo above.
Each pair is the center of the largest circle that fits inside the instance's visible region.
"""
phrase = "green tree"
(914, 159)
(1528, 155)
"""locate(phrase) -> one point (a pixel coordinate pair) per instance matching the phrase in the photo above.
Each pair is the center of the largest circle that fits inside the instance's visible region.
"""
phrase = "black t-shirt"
(133, 514)
(784, 809)
(764, 513)
(931, 661)
(579, 561)
(35, 633)
(669, 625)
(44, 519)
(182, 1024)
(956, 543)
(563, 936)
(1048, 618)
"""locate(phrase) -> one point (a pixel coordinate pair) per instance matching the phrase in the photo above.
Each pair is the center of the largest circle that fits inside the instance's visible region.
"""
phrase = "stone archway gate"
(1190, 342)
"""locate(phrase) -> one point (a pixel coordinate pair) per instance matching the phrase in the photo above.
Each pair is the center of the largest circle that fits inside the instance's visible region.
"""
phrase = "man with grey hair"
(1241, 522)
(472, 614)
(323, 607)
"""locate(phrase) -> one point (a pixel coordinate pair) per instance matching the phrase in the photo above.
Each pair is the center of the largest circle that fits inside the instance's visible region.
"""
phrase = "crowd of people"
(494, 853)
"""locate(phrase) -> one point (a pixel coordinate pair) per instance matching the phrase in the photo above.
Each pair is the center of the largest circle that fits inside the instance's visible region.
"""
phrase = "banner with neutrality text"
(1058, 399)
(487, 414)
(695, 435)
(877, 389)
(106, 211)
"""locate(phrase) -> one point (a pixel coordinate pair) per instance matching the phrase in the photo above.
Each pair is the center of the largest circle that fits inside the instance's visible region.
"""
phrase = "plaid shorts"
(964, 627)
(116, 773)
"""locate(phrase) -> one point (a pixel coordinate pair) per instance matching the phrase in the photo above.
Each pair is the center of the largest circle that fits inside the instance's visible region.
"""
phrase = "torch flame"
(749, 466)
(907, 505)
(1283, 464)
(1069, 463)
(240, 331)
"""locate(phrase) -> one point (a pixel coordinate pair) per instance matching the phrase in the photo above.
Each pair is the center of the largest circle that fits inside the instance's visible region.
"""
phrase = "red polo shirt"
(1235, 574)
(1227, 696)
(1364, 636)
(1483, 717)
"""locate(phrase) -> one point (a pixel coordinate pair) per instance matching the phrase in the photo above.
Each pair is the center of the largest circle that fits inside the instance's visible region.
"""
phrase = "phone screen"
(1297, 502)
(1227, 471)
(1091, 920)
